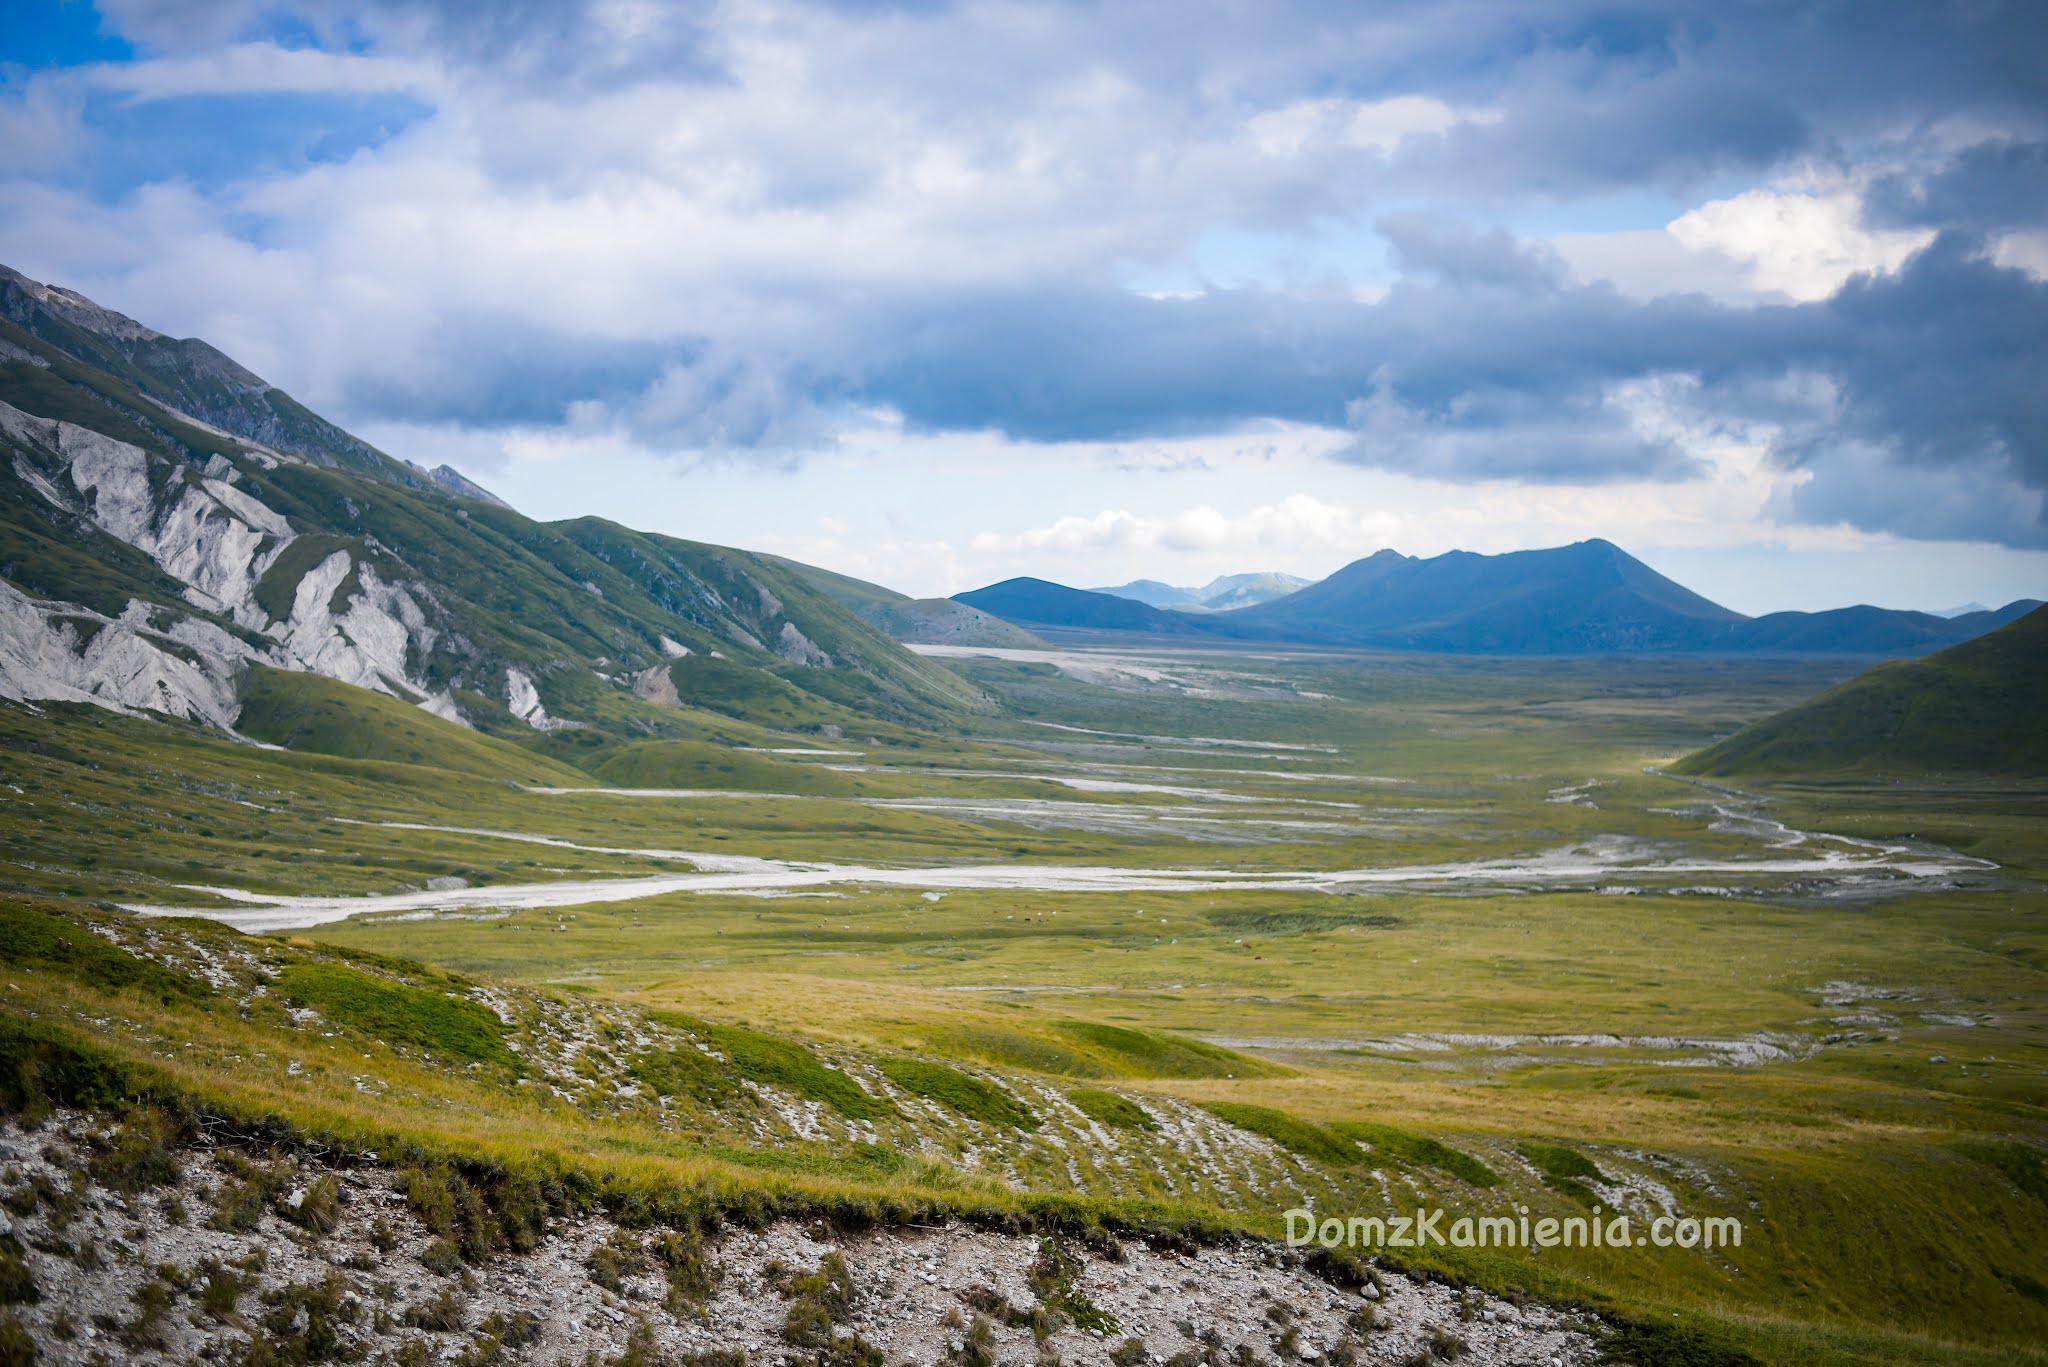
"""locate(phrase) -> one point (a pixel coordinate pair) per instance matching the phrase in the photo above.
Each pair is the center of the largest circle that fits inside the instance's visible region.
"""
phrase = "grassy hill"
(1976, 708)
(922, 621)
(317, 715)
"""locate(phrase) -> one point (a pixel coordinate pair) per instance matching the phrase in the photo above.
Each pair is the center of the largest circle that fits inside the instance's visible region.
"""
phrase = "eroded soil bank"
(117, 1249)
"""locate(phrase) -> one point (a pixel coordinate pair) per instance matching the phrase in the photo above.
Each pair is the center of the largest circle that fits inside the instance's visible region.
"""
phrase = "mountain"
(1972, 606)
(1585, 598)
(1037, 602)
(915, 621)
(1588, 598)
(1152, 593)
(169, 522)
(1976, 708)
(1868, 630)
(1218, 595)
(1245, 590)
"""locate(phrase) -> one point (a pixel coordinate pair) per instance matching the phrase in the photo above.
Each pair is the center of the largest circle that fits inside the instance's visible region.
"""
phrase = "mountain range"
(1587, 598)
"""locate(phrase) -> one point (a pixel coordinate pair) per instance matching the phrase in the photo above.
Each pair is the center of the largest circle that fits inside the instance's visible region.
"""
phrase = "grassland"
(1856, 1071)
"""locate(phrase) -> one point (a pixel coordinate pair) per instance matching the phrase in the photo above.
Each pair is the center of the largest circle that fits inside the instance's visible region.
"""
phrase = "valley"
(1357, 931)
(699, 940)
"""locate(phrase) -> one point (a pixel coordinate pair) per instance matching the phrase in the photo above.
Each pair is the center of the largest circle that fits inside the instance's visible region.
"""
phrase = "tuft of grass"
(970, 1096)
(399, 1014)
(479, 1213)
(1142, 1053)
(683, 1072)
(1641, 1343)
(42, 1067)
(1420, 1149)
(1292, 1133)
(140, 1153)
(33, 938)
(2025, 1165)
(1107, 1108)
(1565, 1170)
(319, 1207)
(777, 1062)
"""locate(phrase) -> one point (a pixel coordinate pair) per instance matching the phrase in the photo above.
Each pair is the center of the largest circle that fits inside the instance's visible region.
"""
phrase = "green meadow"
(1595, 983)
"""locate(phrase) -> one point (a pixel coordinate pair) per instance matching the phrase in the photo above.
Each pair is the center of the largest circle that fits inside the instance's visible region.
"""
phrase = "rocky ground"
(121, 1247)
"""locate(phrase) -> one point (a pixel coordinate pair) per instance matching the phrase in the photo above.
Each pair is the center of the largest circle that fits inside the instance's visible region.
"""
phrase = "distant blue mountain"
(1056, 605)
(1152, 593)
(1591, 597)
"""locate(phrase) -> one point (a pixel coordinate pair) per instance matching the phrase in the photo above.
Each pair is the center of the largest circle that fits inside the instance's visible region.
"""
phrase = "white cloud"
(265, 68)
(1378, 126)
(1799, 243)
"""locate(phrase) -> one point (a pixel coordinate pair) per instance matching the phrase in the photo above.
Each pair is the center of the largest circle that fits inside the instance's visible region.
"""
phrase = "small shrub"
(692, 1277)
(17, 1283)
(140, 1154)
(616, 1259)
(1051, 1277)
(440, 1313)
(152, 1308)
(976, 1347)
(521, 1329)
(442, 1258)
(304, 1320)
(1130, 1353)
(498, 1210)
(17, 1344)
(239, 1205)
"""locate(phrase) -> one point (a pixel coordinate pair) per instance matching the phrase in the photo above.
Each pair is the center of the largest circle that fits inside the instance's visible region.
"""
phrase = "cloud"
(265, 68)
(1540, 439)
(1803, 245)
(1297, 524)
(760, 227)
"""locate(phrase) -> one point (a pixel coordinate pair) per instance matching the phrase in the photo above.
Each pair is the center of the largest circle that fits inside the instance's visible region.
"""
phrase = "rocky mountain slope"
(171, 520)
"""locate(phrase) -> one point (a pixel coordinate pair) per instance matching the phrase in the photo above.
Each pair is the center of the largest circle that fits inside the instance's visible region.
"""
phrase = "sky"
(939, 293)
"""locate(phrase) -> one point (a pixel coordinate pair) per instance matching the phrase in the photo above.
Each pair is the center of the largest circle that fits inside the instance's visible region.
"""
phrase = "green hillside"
(1976, 708)
(317, 715)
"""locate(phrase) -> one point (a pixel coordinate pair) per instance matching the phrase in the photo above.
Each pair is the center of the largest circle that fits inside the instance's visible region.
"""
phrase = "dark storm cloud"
(1991, 186)
(1499, 370)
